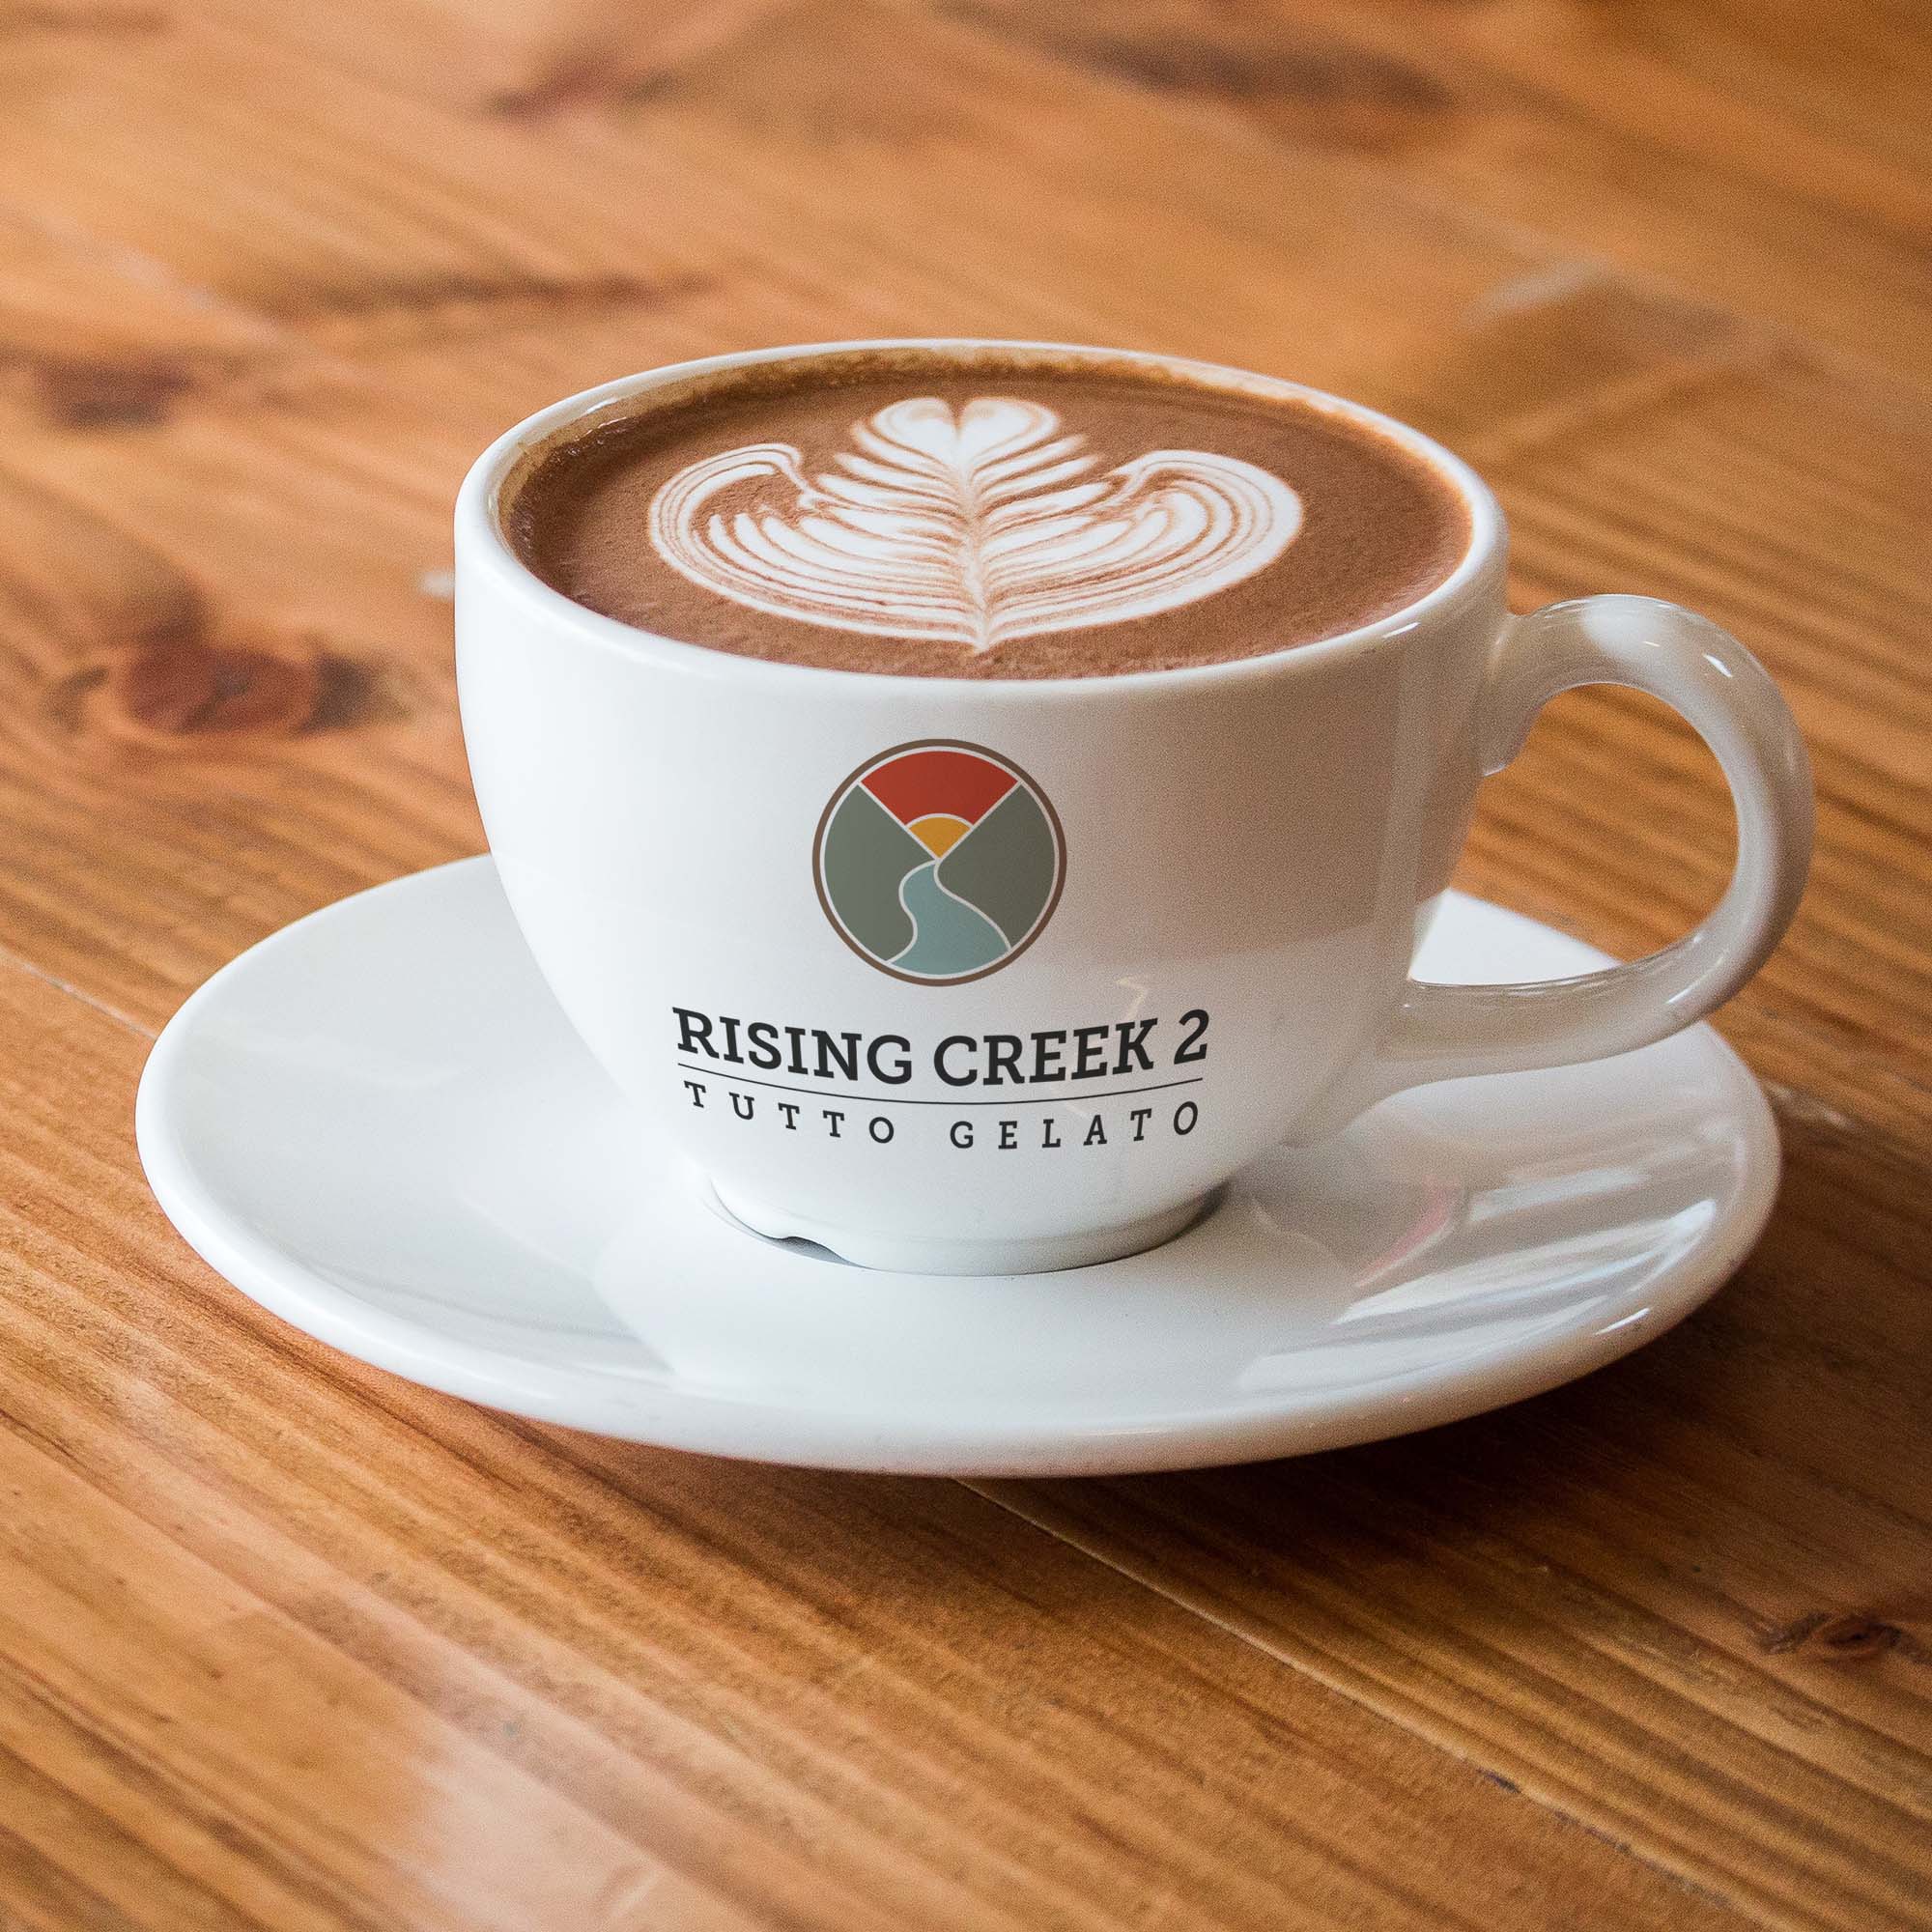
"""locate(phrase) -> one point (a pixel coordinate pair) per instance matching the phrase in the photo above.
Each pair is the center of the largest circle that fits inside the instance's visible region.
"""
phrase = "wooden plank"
(268, 277)
(337, 1652)
(1782, 502)
(1768, 158)
(88, 339)
(1686, 1599)
(1684, 1615)
(338, 671)
(218, 611)
(763, 161)
(765, 198)
(216, 650)
(188, 1723)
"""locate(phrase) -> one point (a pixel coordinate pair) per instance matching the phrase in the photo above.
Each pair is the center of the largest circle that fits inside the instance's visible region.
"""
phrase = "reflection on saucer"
(378, 1124)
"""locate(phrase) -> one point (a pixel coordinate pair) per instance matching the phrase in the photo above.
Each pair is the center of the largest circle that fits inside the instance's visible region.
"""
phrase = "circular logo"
(939, 862)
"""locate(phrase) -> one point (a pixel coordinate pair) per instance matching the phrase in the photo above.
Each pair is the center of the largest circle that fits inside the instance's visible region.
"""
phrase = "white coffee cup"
(1243, 859)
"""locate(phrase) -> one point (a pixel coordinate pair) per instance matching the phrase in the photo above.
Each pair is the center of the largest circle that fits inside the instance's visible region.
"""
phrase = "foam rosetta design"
(975, 526)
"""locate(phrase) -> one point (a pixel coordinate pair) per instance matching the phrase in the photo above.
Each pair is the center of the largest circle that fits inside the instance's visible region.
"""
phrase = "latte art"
(921, 510)
(976, 525)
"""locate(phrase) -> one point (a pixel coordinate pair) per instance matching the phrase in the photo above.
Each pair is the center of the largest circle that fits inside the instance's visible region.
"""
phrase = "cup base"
(910, 1255)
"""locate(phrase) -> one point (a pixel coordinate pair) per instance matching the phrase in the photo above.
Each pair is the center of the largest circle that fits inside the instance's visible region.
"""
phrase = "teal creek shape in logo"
(939, 860)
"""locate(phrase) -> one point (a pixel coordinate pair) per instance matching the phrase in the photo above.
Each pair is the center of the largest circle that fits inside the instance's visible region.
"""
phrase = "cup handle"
(1444, 1032)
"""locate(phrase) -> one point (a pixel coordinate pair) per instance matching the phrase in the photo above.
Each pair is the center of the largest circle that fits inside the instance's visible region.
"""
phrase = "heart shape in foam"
(975, 526)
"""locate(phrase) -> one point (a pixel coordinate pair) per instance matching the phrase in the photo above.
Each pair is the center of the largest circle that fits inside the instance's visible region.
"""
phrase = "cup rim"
(482, 542)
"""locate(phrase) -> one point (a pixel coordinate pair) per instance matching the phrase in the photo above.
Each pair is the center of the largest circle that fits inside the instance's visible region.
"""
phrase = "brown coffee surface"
(936, 519)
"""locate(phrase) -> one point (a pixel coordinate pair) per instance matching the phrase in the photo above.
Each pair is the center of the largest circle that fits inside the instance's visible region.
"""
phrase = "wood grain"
(314, 1639)
(285, 1643)
(1761, 155)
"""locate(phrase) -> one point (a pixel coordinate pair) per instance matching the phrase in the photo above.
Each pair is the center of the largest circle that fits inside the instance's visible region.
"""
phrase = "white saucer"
(379, 1126)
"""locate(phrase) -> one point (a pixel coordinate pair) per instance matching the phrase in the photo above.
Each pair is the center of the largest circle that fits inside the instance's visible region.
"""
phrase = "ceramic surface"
(380, 1125)
(1204, 915)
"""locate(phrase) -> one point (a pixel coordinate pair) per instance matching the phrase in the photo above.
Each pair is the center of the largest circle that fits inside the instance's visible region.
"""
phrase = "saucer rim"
(930, 1442)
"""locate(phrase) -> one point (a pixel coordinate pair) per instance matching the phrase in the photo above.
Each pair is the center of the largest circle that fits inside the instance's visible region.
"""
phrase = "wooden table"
(286, 1643)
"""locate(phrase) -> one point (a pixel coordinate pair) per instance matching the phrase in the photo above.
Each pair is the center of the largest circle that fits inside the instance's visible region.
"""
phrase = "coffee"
(986, 514)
